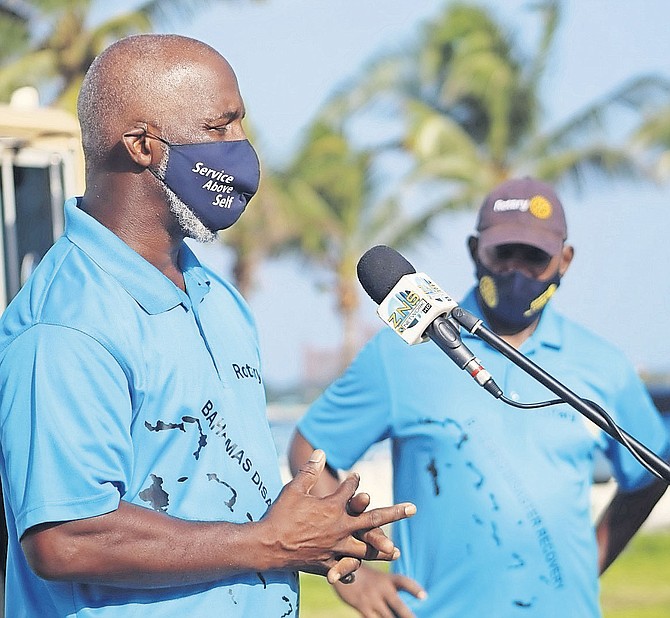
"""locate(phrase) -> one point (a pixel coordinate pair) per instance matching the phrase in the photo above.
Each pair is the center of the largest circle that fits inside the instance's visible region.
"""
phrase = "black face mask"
(513, 300)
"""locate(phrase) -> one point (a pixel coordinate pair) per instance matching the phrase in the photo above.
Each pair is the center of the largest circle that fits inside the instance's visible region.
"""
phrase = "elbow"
(50, 555)
(299, 452)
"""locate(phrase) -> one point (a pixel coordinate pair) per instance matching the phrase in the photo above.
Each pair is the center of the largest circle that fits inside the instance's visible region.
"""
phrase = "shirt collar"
(152, 290)
(547, 333)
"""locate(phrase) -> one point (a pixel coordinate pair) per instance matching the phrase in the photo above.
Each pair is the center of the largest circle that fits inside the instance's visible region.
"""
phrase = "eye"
(538, 257)
(504, 252)
(227, 129)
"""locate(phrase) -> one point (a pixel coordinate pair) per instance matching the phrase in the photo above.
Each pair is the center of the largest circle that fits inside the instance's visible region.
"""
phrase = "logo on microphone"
(432, 290)
(405, 310)
(412, 305)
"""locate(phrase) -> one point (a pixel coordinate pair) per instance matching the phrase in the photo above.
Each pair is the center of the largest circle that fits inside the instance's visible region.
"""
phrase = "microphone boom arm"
(476, 327)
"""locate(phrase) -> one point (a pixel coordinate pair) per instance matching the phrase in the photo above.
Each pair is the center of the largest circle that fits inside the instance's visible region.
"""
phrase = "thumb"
(310, 471)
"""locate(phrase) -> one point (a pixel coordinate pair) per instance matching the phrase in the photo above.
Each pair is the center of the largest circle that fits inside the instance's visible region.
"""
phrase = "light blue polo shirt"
(503, 525)
(115, 385)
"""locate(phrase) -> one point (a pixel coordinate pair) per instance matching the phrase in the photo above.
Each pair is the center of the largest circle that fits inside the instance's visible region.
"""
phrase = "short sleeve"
(66, 418)
(637, 415)
(353, 413)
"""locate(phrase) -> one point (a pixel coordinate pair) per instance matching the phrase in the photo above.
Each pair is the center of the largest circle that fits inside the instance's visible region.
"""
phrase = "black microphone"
(417, 309)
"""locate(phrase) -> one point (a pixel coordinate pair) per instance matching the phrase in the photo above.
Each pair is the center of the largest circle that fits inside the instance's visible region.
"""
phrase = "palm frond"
(29, 70)
(172, 12)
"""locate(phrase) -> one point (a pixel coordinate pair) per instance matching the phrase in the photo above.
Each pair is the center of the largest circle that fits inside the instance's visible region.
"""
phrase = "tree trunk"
(348, 307)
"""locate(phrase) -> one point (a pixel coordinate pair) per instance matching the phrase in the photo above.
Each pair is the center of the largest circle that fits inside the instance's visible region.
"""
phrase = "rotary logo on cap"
(540, 207)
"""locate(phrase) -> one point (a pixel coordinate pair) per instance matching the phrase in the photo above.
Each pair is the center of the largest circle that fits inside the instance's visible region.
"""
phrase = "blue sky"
(289, 55)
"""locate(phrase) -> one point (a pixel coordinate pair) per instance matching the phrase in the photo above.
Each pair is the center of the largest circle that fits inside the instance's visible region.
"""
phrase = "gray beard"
(187, 220)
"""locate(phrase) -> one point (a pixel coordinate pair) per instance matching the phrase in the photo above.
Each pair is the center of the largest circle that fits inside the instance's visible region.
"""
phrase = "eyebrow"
(228, 116)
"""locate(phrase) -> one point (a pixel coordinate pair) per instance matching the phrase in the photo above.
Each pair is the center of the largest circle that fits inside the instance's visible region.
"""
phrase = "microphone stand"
(476, 327)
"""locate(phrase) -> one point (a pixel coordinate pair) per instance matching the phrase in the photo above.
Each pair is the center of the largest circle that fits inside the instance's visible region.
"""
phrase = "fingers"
(362, 550)
(376, 518)
(358, 504)
(379, 542)
(398, 608)
(375, 594)
(396, 604)
(310, 471)
(343, 569)
(368, 527)
(347, 488)
(401, 582)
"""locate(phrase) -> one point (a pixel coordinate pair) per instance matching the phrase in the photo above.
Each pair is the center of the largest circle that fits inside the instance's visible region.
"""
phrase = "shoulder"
(69, 293)
(591, 352)
(63, 289)
(575, 333)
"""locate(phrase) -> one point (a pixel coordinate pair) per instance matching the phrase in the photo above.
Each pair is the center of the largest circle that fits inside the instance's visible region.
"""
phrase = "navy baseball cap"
(523, 211)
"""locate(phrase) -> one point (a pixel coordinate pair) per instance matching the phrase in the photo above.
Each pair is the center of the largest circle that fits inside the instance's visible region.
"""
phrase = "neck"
(140, 217)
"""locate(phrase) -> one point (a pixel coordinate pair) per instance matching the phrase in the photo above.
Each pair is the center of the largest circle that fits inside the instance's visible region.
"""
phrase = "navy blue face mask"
(513, 300)
(215, 180)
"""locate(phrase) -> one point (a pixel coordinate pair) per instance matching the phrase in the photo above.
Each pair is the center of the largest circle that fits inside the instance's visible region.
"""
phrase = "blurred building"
(41, 164)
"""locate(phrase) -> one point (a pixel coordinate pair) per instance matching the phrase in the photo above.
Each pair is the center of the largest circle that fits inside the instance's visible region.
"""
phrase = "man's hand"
(328, 535)
(375, 594)
(622, 519)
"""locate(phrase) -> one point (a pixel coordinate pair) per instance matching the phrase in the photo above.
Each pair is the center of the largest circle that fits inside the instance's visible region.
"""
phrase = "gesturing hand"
(328, 535)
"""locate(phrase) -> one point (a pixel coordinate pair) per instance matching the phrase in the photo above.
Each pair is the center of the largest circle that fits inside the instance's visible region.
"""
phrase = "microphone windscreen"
(379, 269)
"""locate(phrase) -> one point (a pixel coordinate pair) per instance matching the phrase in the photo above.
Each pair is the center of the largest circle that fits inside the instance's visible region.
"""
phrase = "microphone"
(417, 309)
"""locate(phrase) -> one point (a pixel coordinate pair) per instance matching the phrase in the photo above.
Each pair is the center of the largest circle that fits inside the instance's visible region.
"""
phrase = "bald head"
(162, 80)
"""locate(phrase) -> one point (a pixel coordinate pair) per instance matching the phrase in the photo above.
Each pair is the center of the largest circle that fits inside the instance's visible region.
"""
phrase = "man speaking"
(139, 472)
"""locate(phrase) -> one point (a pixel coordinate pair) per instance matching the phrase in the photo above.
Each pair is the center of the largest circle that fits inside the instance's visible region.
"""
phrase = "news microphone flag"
(417, 309)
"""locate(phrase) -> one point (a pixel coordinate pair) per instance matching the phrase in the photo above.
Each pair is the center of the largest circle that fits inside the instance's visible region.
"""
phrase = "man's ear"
(566, 258)
(473, 246)
(139, 148)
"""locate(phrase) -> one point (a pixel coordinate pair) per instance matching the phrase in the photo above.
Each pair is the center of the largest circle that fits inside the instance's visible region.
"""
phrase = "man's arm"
(622, 519)
(299, 450)
(135, 546)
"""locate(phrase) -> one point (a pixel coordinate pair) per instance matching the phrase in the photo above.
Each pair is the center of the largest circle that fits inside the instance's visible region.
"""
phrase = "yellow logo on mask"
(488, 291)
(539, 303)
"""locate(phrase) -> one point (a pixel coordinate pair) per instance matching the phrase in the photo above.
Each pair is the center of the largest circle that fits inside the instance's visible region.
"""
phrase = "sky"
(290, 55)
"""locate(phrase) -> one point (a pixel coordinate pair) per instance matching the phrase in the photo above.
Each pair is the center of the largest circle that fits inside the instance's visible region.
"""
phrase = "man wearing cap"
(503, 526)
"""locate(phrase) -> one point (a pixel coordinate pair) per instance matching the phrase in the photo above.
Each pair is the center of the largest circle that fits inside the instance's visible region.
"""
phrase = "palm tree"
(336, 197)
(14, 33)
(492, 129)
(471, 105)
(652, 142)
(57, 59)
